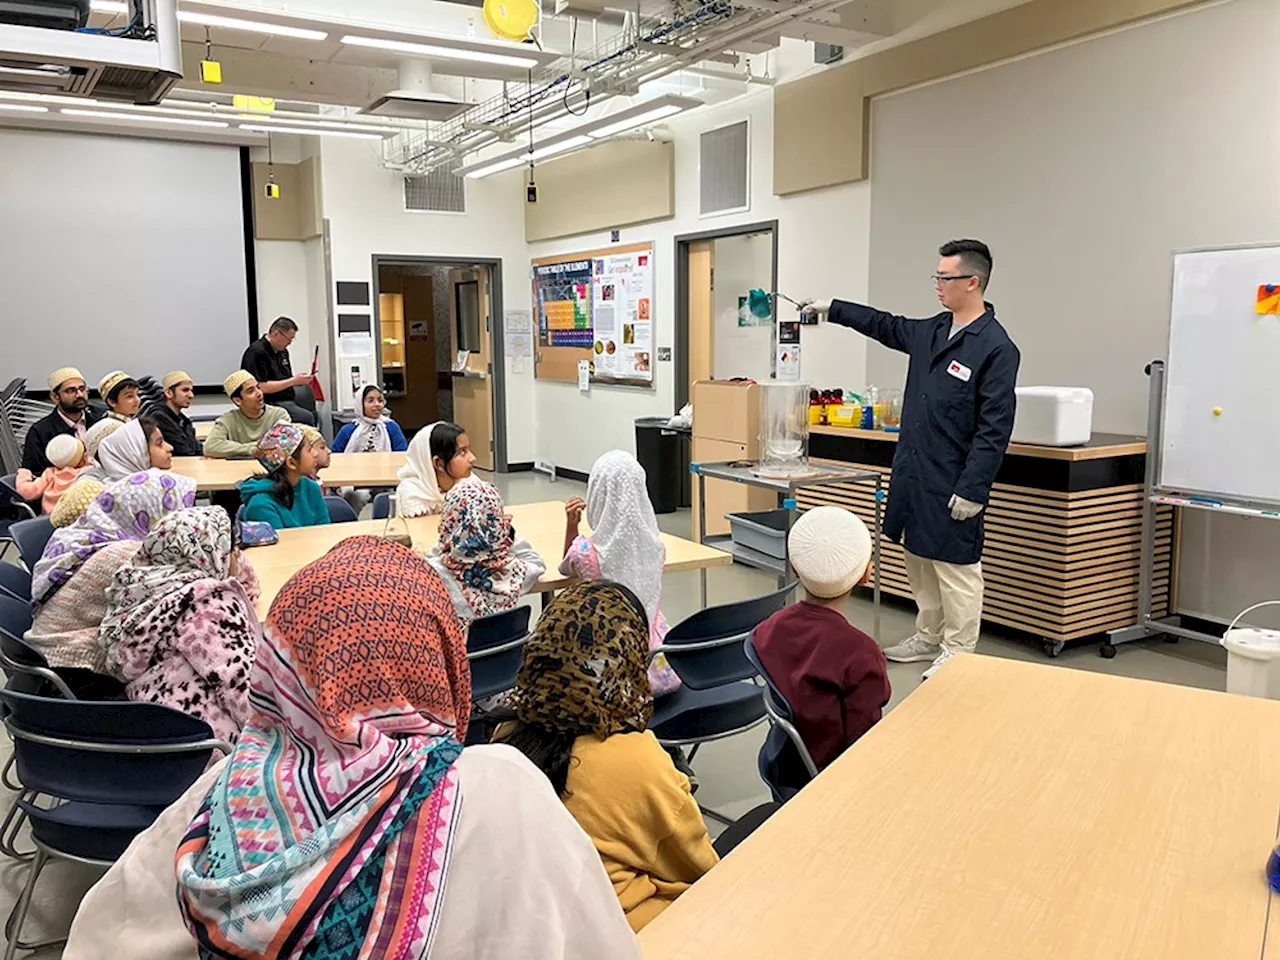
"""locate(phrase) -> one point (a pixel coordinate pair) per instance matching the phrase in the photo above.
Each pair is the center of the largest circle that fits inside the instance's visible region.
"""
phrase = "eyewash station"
(1063, 556)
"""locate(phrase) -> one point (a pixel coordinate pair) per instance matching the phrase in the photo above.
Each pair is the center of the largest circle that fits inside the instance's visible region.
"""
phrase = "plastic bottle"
(869, 408)
(395, 529)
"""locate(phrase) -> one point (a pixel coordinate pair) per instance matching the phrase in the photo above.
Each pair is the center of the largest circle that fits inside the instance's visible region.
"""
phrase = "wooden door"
(470, 329)
(418, 406)
(701, 351)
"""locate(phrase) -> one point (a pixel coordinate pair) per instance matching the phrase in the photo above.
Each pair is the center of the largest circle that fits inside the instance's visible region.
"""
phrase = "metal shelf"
(747, 556)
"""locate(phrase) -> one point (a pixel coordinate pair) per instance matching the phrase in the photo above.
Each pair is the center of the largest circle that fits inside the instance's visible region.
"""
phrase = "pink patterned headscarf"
(475, 546)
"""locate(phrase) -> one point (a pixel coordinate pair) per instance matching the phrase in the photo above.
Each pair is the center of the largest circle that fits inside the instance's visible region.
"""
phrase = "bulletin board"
(596, 306)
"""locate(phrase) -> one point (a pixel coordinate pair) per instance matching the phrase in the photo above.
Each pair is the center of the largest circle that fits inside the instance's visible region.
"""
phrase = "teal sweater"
(308, 504)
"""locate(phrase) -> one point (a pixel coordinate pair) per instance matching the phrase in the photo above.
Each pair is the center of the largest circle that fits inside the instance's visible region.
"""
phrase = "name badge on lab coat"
(959, 371)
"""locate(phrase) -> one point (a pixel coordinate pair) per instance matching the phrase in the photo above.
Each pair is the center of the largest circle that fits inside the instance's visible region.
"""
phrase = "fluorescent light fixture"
(309, 131)
(630, 123)
(642, 113)
(24, 107)
(249, 26)
(108, 6)
(141, 117)
(166, 111)
(55, 74)
(541, 153)
(473, 52)
(322, 125)
(46, 98)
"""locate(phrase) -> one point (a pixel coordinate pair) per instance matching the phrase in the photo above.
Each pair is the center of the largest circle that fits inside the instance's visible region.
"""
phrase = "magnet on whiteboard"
(1217, 411)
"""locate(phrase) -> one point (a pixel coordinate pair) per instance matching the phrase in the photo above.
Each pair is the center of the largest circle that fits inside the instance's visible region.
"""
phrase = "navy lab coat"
(957, 416)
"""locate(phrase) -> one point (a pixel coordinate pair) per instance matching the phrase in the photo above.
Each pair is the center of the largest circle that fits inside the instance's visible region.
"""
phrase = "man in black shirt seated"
(177, 430)
(70, 396)
(268, 360)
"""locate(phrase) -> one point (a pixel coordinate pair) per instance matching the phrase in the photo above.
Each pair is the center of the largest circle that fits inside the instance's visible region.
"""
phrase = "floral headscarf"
(129, 509)
(328, 833)
(277, 445)
(475, 547)
(584, 667)
(178, 629)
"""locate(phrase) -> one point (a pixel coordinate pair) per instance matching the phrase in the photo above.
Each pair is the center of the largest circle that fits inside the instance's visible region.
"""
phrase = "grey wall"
(1084, 168)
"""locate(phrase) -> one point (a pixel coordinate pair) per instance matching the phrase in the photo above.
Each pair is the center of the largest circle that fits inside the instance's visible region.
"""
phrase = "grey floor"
(726, 768)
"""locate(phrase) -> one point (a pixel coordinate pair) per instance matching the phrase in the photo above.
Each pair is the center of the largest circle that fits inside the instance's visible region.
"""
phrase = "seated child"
(372, 431)
(439, 456)
(315, 442)
(67, 455)
(625, 545)
(286, 496)
(832, 674)
(486, 569)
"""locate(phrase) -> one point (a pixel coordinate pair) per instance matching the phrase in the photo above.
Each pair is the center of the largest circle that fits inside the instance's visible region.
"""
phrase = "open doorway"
(440, 347)
(716, 335)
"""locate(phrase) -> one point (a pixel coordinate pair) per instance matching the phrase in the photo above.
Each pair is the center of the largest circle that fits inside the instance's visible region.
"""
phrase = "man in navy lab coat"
(956, 420)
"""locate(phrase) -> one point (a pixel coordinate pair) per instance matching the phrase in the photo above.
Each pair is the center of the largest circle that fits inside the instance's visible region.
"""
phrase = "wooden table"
(203, 429)
(542, 524)
(982, 820)
(344, 470)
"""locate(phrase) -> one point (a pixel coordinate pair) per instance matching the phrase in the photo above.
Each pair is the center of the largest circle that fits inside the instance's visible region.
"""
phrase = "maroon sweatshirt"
(833, 675)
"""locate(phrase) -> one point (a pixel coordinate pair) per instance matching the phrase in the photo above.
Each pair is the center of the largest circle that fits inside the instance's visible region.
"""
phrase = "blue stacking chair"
(495, 649)
(15, 581)
(784, 760)
(382, 506)
(339, 510)
(717, 696)
(112, 767)
(31, 537)
(9, 497)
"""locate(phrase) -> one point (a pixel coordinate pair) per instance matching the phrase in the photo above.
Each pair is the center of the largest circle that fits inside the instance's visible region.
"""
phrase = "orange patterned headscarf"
(342, 785)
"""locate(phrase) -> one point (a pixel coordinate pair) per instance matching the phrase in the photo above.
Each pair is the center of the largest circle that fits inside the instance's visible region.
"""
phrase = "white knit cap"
(64, 450)
(829, 548)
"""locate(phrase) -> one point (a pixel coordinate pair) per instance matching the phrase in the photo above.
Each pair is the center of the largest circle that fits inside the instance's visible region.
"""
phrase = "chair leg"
(11, 827)
(6, 776)
(18, 915)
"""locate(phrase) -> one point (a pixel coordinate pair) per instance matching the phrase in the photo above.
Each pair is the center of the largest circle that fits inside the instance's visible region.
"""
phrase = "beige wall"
(1084, 168)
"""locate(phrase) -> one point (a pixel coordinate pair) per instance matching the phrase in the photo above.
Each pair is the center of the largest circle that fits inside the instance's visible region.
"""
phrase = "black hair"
(283, 325)
(444, 442)
(149, 425)
(235, 394)
(115, 391)
(975, 256)
(551, 751)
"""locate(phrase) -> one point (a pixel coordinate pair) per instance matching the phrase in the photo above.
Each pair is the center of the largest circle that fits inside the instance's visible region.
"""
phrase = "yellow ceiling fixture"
(511, 19)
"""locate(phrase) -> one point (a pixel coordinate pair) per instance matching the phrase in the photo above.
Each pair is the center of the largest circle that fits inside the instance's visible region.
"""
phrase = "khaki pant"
(949, 598)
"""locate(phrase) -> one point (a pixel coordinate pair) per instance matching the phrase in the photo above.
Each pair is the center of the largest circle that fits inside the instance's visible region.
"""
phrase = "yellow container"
(845, 415)
(817, 412)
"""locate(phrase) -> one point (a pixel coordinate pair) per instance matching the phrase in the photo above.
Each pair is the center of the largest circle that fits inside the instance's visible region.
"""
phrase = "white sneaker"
(943, 659)
(914, 649)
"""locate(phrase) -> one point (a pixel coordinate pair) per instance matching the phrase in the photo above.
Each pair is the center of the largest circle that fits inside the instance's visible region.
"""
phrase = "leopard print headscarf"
(584, 667)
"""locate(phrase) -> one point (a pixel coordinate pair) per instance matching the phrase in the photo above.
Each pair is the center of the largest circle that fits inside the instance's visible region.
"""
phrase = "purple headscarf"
(127, 510)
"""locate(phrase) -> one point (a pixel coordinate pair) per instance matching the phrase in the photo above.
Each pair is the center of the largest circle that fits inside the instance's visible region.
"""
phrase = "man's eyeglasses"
(938, 279)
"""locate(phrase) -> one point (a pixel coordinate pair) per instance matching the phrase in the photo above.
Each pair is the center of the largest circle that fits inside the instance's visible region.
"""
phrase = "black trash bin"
(663, 451)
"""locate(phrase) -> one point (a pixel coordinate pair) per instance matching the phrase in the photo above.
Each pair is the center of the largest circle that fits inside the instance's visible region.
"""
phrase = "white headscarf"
(624, 530)
(124, 452)
(419, 492)
(368, 429)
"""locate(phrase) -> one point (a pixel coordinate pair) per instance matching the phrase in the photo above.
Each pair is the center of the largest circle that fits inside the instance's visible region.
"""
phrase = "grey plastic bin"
(764, 531)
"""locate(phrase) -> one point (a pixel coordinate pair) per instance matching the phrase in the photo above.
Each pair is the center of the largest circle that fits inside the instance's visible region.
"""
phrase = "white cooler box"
(1053, 416)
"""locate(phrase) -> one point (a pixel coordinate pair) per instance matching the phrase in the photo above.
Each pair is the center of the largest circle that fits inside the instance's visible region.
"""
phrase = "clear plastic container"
(869, 397)
(784, 430)
(891, 402)
(396, 529)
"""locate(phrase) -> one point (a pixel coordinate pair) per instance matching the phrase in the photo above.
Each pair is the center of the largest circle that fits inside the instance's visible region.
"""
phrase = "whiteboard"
(1224, 357)
(120, 253)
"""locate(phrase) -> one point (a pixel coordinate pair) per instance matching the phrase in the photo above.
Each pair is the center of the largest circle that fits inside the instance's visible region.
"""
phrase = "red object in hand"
(315, 381)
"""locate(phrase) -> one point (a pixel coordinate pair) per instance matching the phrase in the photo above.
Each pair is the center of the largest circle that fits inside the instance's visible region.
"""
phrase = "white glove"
(816, 308)
(962, 509)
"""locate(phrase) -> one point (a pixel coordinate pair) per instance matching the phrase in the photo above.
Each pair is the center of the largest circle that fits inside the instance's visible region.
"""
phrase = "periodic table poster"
(598, 306)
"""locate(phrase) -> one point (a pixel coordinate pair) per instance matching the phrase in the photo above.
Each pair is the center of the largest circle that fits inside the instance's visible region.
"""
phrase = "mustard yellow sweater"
(637, 809)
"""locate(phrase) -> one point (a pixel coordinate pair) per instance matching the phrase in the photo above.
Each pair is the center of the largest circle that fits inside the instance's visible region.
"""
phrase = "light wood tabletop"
(1008, 811)
(203, 429)
(344, 470)
(542, 524)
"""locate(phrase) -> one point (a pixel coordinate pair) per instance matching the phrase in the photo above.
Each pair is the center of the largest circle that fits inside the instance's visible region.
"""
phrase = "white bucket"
(1253, 662)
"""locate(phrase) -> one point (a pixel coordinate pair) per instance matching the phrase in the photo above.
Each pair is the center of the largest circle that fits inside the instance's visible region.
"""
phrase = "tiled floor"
(726, 768)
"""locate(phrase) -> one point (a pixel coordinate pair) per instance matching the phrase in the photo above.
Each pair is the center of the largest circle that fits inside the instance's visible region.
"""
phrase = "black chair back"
(382, 506)
(712, 640)
(115, 752)
(495, 647)
(15, 615)
(31, 537)
(339, 510)
(784, 761)
(26, 667)
(15, 582)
